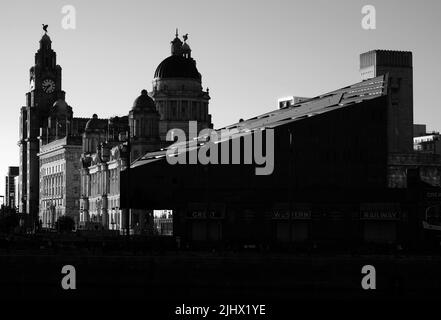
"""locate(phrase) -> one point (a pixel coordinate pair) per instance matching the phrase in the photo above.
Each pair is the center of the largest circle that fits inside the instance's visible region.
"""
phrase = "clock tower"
(45, 89)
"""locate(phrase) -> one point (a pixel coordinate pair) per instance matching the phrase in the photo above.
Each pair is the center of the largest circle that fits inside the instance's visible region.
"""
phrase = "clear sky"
(249, 53)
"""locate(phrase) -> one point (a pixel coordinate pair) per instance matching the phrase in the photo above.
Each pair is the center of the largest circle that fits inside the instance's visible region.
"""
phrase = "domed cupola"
(94, 134)
(177, 91)
(58, 121)
(144, 103)
(61, 109)
(94, 124)
(144, 126)
(177, 67)
(179, 64)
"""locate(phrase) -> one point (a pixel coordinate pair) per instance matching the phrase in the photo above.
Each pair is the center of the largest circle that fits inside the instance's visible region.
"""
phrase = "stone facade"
(59, 180)
(59, 156)
(104, 155)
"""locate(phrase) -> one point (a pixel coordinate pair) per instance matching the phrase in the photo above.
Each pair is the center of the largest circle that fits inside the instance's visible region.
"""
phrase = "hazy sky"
(249, 53)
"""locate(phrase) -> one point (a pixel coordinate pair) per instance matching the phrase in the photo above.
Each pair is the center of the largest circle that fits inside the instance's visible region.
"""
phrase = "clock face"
(48, 86)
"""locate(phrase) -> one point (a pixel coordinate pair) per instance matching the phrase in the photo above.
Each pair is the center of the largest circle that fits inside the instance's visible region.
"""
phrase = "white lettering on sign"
(392, 215)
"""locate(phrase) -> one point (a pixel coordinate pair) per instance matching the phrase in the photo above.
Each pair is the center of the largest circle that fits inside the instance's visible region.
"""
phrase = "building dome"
(185, 47)
(94, 123)
(60, 105)
(144, 102)
(60, 108)
(177, 66)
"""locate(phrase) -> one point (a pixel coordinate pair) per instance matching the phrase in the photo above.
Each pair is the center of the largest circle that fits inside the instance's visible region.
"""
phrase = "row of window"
(53, 169)
(98, 184)
(56, 203)
(184, 110)
(51, 159)
(52, 185)
(112, 204)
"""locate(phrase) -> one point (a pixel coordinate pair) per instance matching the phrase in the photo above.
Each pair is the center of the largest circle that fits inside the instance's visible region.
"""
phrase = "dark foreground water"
(210, 277)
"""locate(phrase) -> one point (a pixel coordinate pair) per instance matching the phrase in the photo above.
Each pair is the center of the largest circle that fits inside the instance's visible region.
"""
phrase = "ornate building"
(71, 166)
(45, 90)
(176, 99)
(177, 91)
(59, 156)
(103, 156)
(59, 180)
(144, 126)
(60, 151)
(50, 145)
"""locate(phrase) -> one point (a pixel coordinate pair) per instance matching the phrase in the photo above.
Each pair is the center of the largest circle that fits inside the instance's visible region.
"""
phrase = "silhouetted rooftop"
(342, 98)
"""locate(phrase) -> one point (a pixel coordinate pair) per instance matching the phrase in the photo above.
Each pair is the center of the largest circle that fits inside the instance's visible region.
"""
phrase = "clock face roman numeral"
(48, 85)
